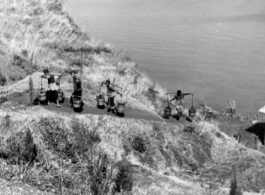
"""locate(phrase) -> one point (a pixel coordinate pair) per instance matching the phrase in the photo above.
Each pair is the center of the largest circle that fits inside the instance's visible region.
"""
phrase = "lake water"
(214, 48)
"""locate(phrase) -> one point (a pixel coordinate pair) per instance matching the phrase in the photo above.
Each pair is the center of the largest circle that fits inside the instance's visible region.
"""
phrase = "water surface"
(215, 48)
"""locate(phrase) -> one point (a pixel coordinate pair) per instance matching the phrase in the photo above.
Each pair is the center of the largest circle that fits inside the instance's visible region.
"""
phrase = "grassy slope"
(165, 157)
(37, 34)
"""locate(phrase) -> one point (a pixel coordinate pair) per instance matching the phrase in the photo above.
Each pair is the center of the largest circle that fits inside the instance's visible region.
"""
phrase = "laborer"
(179, 97)
(52, 87)
(111, 96)
(77, 87)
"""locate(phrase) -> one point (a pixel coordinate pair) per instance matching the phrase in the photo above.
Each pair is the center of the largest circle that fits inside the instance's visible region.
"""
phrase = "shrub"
(22, 64)
(152, 93)
(138, 144)
(6, 121)
(124, 178)
(189, 129)
(100, 173)
(2, 79)
(21, 148)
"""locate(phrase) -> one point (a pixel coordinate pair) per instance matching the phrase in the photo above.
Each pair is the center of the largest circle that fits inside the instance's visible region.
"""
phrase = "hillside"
(168, 158)
(45, 36)
(49, 151)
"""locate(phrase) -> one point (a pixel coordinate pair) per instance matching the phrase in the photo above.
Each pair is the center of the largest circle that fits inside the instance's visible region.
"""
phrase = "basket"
(60, 95)
(167, 111)
(42, 95)
(120, 107)
(77, 102)
(192, 112)
(100, 101)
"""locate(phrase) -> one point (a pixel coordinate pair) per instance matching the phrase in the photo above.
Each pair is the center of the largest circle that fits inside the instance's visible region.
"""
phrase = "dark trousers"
(52, 96)
(76, 93)
(111, 104)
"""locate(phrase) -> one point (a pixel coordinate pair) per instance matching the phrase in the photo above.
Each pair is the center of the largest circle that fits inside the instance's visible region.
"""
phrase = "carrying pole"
(77, 96)
(192, 101)
(167, 100)
(41, 82)
(59, 82)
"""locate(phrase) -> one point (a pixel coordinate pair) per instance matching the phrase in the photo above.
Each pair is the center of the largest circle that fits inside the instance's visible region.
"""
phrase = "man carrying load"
(179, 105)
(52, 86)
(110, 94)
(77, 87)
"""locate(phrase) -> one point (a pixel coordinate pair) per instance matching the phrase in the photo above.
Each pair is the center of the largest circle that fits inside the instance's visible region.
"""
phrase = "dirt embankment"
(189, 158)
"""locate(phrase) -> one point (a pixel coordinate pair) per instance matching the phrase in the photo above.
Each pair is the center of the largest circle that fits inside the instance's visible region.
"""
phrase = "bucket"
(121, 107)
(77, 102)
(167, 111)
(42, 95)
(60, 95)
(100, 101)
(192, 112)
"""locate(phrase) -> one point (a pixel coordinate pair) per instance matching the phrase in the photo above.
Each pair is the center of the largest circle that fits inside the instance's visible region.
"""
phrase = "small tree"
(2, 79)
(31, 91)
(124, 177)
(234, 189)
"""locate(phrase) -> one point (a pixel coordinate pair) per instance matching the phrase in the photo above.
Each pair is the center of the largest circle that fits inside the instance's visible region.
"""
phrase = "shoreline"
(245, 105)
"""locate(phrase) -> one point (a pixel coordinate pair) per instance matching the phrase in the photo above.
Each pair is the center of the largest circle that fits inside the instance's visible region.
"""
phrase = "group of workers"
(54, 82)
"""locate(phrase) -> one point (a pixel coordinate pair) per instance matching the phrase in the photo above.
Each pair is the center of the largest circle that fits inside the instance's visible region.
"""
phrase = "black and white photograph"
(132, 97)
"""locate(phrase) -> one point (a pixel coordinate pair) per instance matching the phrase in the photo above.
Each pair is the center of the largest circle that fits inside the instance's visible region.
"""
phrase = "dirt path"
(129, 113)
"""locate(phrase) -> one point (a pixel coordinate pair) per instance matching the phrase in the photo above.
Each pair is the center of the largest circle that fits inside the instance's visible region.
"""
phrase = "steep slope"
(162, 157)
